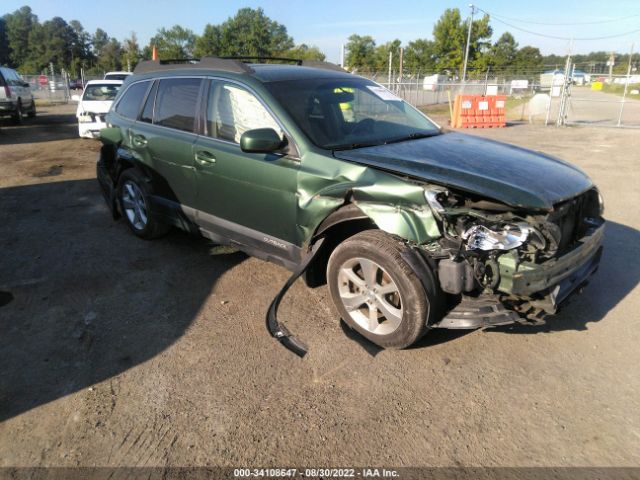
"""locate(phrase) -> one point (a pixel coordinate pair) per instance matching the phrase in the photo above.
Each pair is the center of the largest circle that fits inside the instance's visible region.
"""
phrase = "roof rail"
(297, 61)
(323, 65)
(228, 65)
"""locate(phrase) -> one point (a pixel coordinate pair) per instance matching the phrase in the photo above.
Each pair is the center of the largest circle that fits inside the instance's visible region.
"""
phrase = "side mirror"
(261, 140)
(75, 98)
(111, 135)
(25, 84)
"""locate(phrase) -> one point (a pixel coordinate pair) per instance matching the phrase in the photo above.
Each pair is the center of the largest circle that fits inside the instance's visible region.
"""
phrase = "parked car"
(117, 75)
(16, 99)
(413, 228)
(76, 84)
(93, 104)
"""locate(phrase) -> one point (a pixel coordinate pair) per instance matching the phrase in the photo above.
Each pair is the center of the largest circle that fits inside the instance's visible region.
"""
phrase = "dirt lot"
(119, 352)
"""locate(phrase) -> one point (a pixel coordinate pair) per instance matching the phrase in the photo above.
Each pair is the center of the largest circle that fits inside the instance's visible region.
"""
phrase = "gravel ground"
(120, 352)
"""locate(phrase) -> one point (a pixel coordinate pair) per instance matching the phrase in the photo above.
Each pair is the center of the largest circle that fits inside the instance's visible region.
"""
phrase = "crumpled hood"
(495, 170)
(94, 106)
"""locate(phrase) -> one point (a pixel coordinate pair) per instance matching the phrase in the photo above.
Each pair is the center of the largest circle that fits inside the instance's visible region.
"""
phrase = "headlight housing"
(85, 118)
(503, 237)
(601, 203)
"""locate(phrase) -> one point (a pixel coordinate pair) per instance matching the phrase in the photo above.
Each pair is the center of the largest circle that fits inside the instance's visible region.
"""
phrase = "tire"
(18, 116)
(400, 286)
(133, 199)
(32, 111)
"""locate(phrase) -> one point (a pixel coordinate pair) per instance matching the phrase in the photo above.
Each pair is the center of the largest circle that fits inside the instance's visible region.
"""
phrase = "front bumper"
(529, 292)
(573, 268)
(90, 129)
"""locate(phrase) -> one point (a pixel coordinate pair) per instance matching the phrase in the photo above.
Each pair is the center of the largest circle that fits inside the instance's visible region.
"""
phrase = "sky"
(328, 23)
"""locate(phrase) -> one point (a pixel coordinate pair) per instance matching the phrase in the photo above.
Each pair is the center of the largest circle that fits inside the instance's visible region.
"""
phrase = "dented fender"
(396, 205)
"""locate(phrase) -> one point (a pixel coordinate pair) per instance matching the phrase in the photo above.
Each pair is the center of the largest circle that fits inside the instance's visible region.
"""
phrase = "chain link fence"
(57, 88)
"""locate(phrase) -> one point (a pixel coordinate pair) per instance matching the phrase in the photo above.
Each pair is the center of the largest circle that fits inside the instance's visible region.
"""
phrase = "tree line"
(444, 53)
(31, 46)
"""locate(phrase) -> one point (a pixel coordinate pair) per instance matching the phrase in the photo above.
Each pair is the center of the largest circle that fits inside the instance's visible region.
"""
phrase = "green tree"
(80, 47)
(528, 60)
(175, 42)
(19, 25)
(251, 33)
(503, 52)
(305, 52)
(4, 44)
(110, 56)
(361, 53)
(450, 38)
(98, 41)
(51, 42)
(131, 51)
(382, 55)
(419, 55)
(208, 44)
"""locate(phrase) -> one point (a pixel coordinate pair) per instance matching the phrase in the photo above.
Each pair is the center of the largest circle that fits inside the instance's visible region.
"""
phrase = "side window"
(232, 110)
(147, 113)
(176, 103)
(129, 104)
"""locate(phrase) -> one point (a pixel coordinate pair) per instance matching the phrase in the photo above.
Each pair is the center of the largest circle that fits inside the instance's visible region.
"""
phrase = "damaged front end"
(501, 264)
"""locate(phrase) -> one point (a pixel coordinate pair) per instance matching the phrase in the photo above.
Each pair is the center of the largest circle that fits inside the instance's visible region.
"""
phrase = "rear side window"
(176, 103)
(129, 104)
(147, 113)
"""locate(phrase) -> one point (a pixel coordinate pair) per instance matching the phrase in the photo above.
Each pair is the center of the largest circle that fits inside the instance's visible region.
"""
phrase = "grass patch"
(618, 89)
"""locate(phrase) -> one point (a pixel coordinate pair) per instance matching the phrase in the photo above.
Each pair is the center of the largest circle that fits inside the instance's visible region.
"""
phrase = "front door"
(250, 196)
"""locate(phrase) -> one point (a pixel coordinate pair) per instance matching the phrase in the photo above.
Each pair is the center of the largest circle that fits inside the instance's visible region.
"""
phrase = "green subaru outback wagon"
(337, 179)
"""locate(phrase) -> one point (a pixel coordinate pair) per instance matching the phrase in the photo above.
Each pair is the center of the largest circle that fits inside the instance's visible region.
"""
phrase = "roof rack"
(228, 65)
(261, 59)
(297, 61)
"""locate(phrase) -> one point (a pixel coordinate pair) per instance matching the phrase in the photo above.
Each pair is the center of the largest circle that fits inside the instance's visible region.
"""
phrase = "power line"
(556, 37)
(561, 24)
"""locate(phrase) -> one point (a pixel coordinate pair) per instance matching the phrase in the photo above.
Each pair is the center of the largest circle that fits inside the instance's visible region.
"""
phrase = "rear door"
(252, 195)
(164, 136)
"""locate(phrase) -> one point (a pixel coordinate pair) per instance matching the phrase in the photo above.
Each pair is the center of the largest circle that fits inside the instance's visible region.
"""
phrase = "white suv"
(15, 96)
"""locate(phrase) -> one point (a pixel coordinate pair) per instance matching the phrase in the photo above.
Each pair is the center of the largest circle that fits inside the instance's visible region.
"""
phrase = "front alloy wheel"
(377, 293)
(370, 296)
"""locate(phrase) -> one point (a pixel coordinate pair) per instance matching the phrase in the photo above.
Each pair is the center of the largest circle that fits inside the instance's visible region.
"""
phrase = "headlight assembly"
(504, 237)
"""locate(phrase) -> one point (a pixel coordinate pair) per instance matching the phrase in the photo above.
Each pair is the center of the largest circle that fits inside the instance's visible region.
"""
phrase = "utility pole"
(626, 86)
(401, 65)
(342, 56)
(390, 63)
(610, 63)
(466, 53)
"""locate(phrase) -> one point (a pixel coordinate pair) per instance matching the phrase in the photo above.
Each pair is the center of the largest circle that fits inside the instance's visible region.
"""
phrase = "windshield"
(349, 113)
(101, 92)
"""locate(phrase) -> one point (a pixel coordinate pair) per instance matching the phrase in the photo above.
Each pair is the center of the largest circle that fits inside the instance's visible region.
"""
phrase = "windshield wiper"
(412, 136)
(351, 146)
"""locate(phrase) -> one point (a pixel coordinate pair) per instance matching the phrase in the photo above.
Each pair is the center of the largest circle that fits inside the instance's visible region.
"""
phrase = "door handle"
(205, 158)
(139, 140)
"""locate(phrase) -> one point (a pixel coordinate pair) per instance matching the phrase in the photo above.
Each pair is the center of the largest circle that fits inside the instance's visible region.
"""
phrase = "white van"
(93, 105)
(15, 96)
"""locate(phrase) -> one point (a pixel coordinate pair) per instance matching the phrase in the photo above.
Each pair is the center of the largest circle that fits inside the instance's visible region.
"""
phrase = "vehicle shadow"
(44, 127)
(617, 276)
(81, 298)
